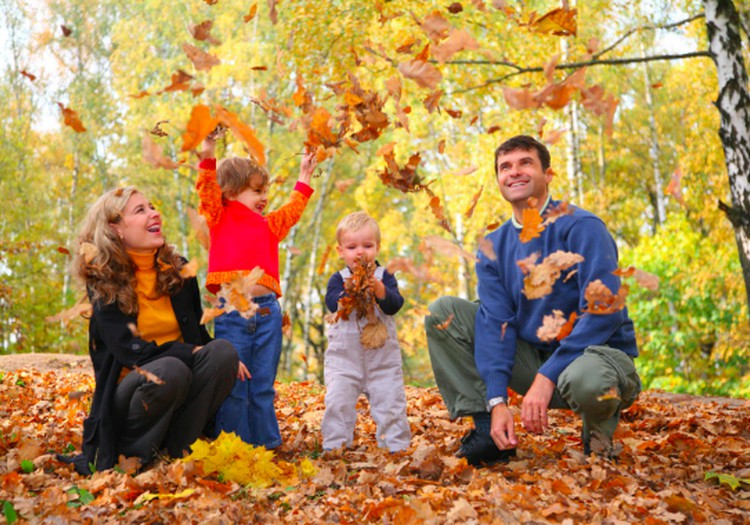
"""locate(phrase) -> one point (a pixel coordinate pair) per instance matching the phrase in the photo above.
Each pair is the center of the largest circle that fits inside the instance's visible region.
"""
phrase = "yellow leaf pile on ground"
(669, 443)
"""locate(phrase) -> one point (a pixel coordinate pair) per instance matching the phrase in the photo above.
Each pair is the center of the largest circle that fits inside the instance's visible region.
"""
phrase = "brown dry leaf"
(435, 26)
(447, 248)
(156, 130)
(432, 100)
(521, 98)
(324, 259)
(468, 170)
(540, 278)
(445, 324)
(272, 11)
(549, 68)
(202, 32)
(644, 278)
(200, 227)
(150, 376)
(423, 73)
(201, 60)
(458, 40)
(674, 189)
(374, 335)
(180, 82)
(555, 326)
(82, 308)
(66, 30)
(141, 94)
(405, 179)
(601, 300)
(559, 22)
(209, 314)
(455, 8)
(152, 154)
(531, 222)
(474, 200)
(190, 269)
(70, 118)
(485, 246)
(251, 14)
(343, 185)
(243, 132)
(553, 213)
(405, 264)
(28, 75)
(438, 211)
(201, 123)
(612, 393)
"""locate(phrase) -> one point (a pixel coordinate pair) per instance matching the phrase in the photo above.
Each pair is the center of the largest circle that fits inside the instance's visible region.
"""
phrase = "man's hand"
(501, 429)
(307, 167)
(535, 404)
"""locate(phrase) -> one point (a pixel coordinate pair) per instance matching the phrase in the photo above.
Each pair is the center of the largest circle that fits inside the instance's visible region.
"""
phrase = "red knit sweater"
(242, 239)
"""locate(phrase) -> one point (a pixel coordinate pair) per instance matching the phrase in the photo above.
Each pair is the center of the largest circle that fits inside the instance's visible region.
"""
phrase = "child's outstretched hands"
(307, 167)
(208, 151)
(378, 288)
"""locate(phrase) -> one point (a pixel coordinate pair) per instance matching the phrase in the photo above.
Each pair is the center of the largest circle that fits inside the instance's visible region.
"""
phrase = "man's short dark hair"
(524, 143)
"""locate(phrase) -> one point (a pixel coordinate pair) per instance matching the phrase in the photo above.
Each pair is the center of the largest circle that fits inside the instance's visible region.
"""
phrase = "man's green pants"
(585, 386)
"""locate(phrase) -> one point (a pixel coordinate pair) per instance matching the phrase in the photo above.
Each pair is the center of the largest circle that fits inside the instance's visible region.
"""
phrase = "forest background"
(101, 94)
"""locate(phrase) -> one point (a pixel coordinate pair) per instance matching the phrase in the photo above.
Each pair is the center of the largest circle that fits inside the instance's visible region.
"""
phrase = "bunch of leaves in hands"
(359, 298)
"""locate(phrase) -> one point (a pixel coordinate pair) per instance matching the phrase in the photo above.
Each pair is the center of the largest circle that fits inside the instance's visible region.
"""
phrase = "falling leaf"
(201, 123)
(612, 393)
(152, 154)
(448, 248)
(156, 130)
(200, 227)
(272, 11)
(251, 14)
(431, 102)
(645, 279)
(66, 31)
(243, 132)
(520, 98)
(209, 314)
(674, 189)
(559, 22)
(485, 246)
(474, 200)
(567, 328)
(343, 185)
(324, 259)
(148, 375)
(445, 324)
(726, 479)
(189, 269)
(70, 118)
(435, 26)
(540, 278)
(148, 496)
(552, 213)
(82, 308)
(531, 222)
(458, 40)
(602, 301)
(423, 73)
(201, 60)
(63, 250)
(180, 82)
(202, 32)
(439, 212)
(455, 8)
(28, 75)
(88, 251)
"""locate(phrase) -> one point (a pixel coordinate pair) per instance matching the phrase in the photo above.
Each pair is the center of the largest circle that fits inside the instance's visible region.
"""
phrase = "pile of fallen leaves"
(683, 460)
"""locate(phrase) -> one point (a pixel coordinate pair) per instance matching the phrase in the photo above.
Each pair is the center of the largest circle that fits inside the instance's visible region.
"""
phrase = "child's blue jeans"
(249, 410)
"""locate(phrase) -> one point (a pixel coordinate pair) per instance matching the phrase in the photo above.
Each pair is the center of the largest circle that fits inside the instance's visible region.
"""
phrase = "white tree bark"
(733, 103)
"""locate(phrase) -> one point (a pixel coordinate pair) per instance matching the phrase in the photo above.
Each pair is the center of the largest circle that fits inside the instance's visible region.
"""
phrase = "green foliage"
(11, 516)
(80, 497)
(27, 466)
(691, 329)
(727, 479)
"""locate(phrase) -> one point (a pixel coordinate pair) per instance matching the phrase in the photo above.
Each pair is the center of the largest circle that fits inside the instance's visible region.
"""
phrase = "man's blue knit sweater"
(506, 314)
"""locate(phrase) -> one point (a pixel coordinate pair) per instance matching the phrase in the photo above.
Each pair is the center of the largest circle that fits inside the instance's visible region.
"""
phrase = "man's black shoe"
(479, 449)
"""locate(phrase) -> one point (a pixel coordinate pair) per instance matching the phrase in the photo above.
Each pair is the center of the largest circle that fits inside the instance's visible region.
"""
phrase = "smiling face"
(139, 225)
(355, 243)
(520, 176)
(255, 199)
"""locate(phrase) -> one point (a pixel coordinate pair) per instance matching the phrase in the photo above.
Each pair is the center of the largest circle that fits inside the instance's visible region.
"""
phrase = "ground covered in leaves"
(669, 444)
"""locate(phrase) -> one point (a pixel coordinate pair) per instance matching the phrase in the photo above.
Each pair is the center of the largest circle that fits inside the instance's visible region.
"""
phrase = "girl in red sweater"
(233, 199)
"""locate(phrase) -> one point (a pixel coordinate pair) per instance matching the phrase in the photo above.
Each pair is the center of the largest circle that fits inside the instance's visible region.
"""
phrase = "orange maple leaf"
(202, 32)
(243, 132)
(201, 123)
(531, 221)
(70, 118)
(251, 14)
(201, 60)
(602, 301)
(559, 22)
(180, 82)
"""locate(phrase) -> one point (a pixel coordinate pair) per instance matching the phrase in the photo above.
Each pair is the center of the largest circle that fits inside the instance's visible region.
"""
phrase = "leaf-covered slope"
(669, 443)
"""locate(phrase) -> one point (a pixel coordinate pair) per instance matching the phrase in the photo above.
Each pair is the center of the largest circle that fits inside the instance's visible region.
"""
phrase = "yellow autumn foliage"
(231, 459)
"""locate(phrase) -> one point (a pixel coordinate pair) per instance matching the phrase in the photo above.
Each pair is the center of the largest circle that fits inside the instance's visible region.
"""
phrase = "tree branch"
(645, 28)
(572, 65)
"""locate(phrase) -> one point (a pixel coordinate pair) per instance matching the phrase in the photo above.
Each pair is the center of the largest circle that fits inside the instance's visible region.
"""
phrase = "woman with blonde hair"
(159, 376)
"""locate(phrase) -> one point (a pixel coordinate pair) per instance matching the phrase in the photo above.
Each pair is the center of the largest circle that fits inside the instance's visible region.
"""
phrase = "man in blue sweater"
(496, 344)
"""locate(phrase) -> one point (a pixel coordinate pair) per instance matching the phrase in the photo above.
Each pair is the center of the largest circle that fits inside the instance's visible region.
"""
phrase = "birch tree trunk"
(654, 150)
(733, 103)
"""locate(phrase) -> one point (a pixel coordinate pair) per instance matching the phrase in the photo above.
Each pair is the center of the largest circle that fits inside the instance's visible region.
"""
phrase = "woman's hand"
(243, 373)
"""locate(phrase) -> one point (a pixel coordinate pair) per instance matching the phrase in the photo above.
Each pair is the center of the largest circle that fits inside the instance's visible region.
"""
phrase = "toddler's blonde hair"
(355, 221)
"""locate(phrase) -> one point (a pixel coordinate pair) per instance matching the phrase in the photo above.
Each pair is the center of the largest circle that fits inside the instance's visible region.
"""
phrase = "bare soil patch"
(46, 362)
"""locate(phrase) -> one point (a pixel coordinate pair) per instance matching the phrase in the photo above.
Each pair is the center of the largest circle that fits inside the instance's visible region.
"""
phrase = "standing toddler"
(350, 369)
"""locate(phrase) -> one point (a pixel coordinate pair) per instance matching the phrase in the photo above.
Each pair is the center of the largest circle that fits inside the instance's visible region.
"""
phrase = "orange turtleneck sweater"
(156, 319)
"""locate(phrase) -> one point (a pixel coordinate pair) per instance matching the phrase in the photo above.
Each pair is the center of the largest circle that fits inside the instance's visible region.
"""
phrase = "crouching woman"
(159, 376)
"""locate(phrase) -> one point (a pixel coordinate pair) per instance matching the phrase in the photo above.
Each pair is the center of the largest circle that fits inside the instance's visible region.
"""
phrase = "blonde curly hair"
(103, 266)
